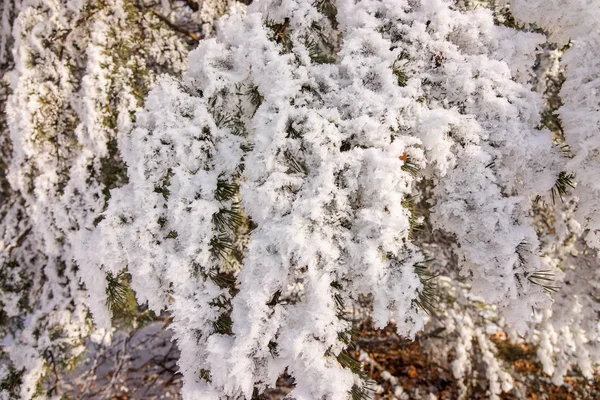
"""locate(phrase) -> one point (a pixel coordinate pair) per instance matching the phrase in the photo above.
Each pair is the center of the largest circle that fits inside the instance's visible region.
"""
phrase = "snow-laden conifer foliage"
(76, 73)
(570, 332)
(578, 28)
(276, 183)
(315, 153)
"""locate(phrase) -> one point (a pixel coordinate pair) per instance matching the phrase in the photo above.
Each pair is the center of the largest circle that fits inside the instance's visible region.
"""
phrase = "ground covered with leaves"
(141, 364)
(400, 363)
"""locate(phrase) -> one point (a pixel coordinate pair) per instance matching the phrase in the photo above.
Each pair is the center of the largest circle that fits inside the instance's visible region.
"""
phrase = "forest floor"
(141, 364)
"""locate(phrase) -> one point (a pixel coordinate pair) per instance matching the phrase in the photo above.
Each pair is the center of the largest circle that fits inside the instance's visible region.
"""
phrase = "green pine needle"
(281, 34)
(295, 165)
(316, 53)
(339, 302)
(223, 325)
(12, 381)
(226, 190)
(562, 185)
(228, 219)
(120, 297)
(543, 278)
(292, 132)
(221, 246)
(163, 187)
(522, 250)
(327, 8)
(400, 73)
(428, 296)
(414, 218)
(360, 392)
(223, 120)
(346, 337)
(411, 167)
(205, 375)
(256, 99)
(347, 361)
(221, 279)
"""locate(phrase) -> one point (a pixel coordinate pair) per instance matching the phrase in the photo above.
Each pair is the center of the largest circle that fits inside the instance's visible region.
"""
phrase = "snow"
(267, 187)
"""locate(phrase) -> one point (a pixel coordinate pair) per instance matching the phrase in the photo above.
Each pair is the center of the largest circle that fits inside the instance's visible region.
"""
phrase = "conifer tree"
(278, 182)
(428, 155)
(75, 72)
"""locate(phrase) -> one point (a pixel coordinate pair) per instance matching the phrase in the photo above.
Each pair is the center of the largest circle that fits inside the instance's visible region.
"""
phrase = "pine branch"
(414, 219)
(228, 219)
(220, 246)
(176, 28)
(328, 8)
(428, 296)
(399, 71)
(347, 361)
(221, 279)
(223, 325)
(291, 131)
(281, 34)
(316, 54)
(295, 165)
(205, 375)
(120, 297)
(13, 380)
(256, 99)
(409, 165)
(543, 278)
(361, 392)
(561, 186)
